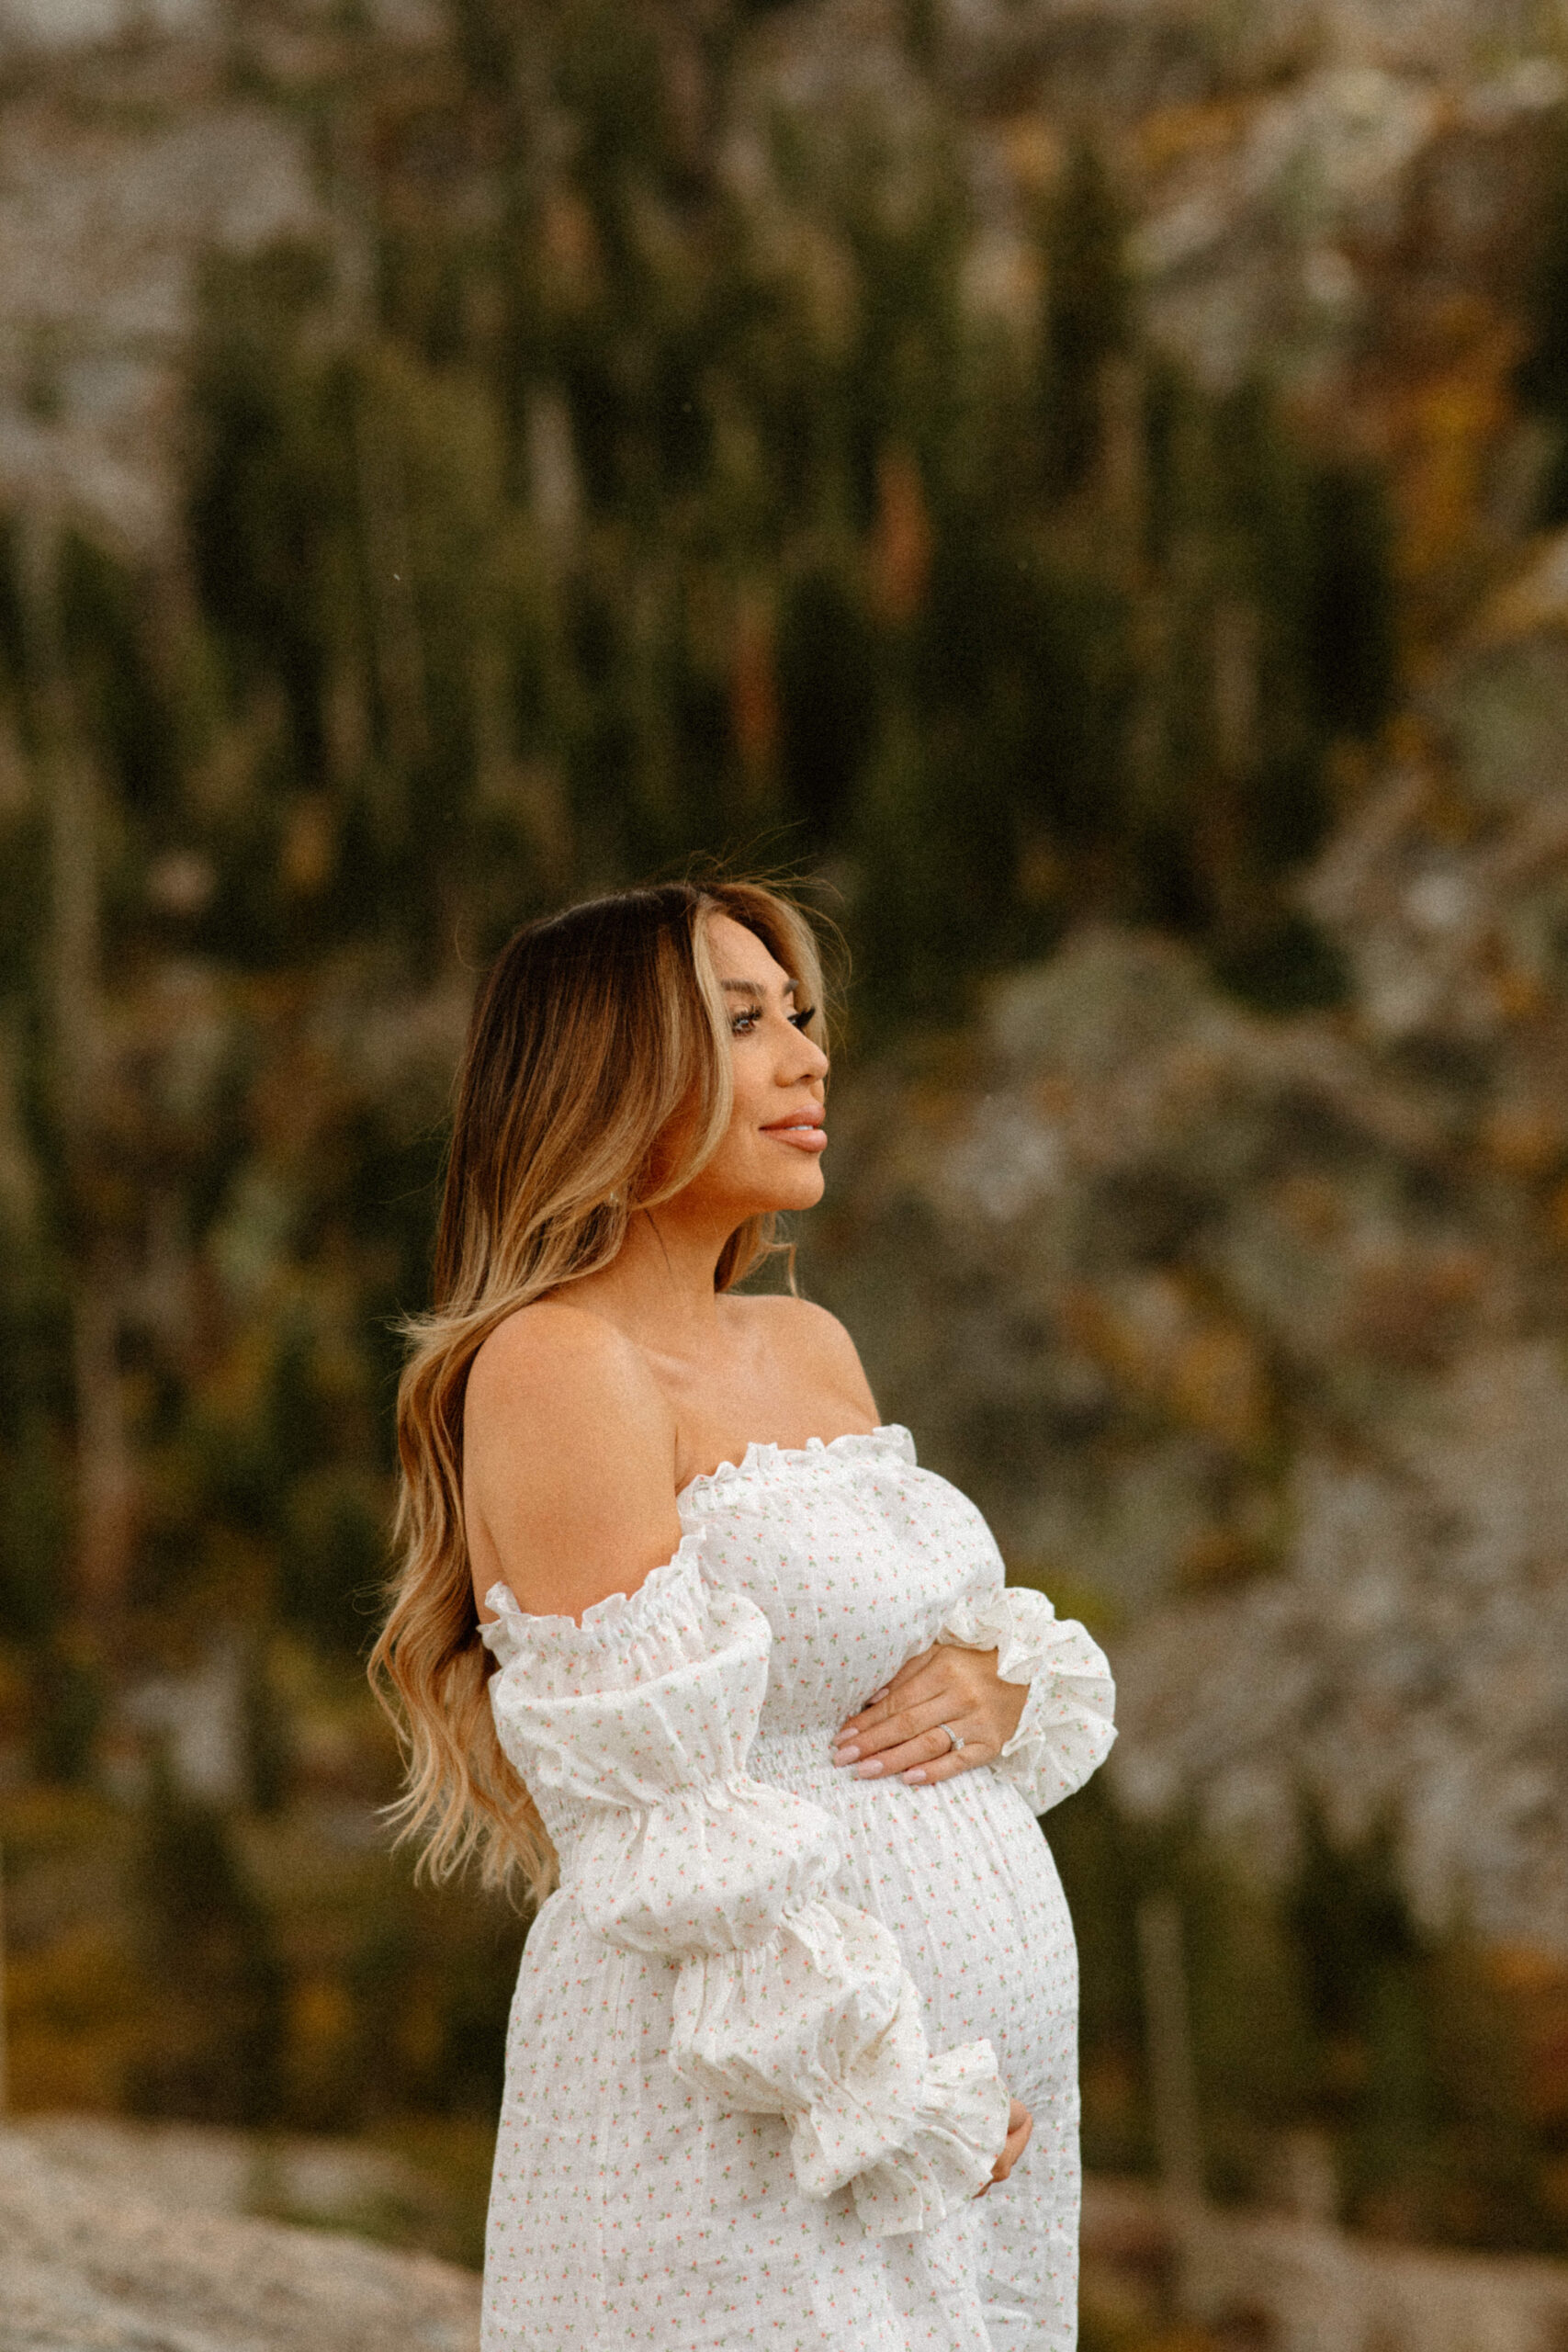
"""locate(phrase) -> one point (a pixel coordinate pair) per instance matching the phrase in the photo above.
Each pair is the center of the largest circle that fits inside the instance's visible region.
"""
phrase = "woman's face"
(771, 1155)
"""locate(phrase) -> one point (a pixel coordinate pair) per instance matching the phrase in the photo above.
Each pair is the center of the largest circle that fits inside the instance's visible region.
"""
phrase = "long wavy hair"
(595, 1082)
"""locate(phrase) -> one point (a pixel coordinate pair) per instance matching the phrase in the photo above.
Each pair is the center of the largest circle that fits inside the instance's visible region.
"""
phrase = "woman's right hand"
(1020, 2123)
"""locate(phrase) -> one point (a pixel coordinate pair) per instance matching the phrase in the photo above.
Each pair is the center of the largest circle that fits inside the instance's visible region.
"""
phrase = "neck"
(660, 1283)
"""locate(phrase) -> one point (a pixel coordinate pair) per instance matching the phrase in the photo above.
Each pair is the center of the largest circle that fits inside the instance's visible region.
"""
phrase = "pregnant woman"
(792, 2057)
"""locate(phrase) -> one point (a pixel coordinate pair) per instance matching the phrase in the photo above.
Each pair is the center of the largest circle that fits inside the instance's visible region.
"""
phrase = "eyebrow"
(753, 987)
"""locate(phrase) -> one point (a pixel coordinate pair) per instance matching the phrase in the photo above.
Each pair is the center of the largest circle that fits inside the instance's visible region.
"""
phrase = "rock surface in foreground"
(80, 2269)
(1302, 2286)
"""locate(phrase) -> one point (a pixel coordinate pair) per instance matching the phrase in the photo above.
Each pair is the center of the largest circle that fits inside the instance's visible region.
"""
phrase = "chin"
(803, 1193)
(764, 1191)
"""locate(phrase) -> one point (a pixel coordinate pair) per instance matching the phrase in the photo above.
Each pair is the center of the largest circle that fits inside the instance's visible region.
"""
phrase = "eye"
(800, 1019)
(743, 1024)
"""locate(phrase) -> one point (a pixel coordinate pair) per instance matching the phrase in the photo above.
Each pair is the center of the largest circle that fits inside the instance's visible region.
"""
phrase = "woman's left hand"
(902, 1733)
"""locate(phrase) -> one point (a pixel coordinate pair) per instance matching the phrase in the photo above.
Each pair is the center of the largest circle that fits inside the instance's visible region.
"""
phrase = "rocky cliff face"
(124, 162)
(1315, 187)
(1262, 1326)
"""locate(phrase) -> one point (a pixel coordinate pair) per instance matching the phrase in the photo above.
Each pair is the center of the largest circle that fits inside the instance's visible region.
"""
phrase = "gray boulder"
(89, 2265)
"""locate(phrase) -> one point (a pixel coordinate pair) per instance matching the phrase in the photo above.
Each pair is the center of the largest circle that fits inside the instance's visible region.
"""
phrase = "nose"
(812, 1060)
(809, 1061)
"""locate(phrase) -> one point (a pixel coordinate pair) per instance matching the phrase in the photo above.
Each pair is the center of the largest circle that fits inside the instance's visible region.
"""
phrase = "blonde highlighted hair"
(595, 1082)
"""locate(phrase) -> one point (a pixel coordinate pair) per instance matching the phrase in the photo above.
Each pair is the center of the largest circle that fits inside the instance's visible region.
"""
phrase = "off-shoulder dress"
(763, 2034)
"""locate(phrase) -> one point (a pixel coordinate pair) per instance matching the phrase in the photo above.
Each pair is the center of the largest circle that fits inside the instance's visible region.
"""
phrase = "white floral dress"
(764, 2034)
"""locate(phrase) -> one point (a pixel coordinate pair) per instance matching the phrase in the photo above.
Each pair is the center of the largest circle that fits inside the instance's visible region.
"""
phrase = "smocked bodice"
(804, 1578)
(853, 1554)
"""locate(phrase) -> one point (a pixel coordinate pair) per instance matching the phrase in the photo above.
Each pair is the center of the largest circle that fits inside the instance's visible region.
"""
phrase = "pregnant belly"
(962, 1874)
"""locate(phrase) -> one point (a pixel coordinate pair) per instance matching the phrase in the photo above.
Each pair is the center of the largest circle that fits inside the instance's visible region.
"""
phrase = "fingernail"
(916, 1774)
(865, 1771)
(879, 1694)
(845, 1755)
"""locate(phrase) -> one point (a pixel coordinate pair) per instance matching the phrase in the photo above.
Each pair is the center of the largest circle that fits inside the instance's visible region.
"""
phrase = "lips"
(803, 1128)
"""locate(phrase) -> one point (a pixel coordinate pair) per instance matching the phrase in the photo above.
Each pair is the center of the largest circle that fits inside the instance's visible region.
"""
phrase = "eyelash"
(796, 1019)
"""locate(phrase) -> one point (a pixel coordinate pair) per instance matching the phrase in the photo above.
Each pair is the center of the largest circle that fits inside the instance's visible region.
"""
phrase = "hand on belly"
(945, 1711)
(1020, 2123)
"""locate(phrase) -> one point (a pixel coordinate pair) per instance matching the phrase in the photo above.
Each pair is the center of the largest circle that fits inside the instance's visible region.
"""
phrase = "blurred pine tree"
(1087, 317)
(209, 1949)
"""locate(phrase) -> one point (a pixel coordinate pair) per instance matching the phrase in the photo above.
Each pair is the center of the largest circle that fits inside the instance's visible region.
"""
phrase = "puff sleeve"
(1067, 1726)
(632, 1731)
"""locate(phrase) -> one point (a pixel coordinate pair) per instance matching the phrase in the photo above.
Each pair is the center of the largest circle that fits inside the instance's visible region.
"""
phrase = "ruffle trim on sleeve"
(667, 1606)
(656, 1692)
(1067, 1727)
(822, 2025)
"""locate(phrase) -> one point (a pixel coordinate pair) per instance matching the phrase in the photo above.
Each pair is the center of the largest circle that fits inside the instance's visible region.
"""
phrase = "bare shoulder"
(568, 1459)
(556, 1353)
(797, 1324)
(813, 1343)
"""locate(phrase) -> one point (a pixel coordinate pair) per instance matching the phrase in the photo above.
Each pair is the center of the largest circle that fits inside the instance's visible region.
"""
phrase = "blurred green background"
(1078, 493)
